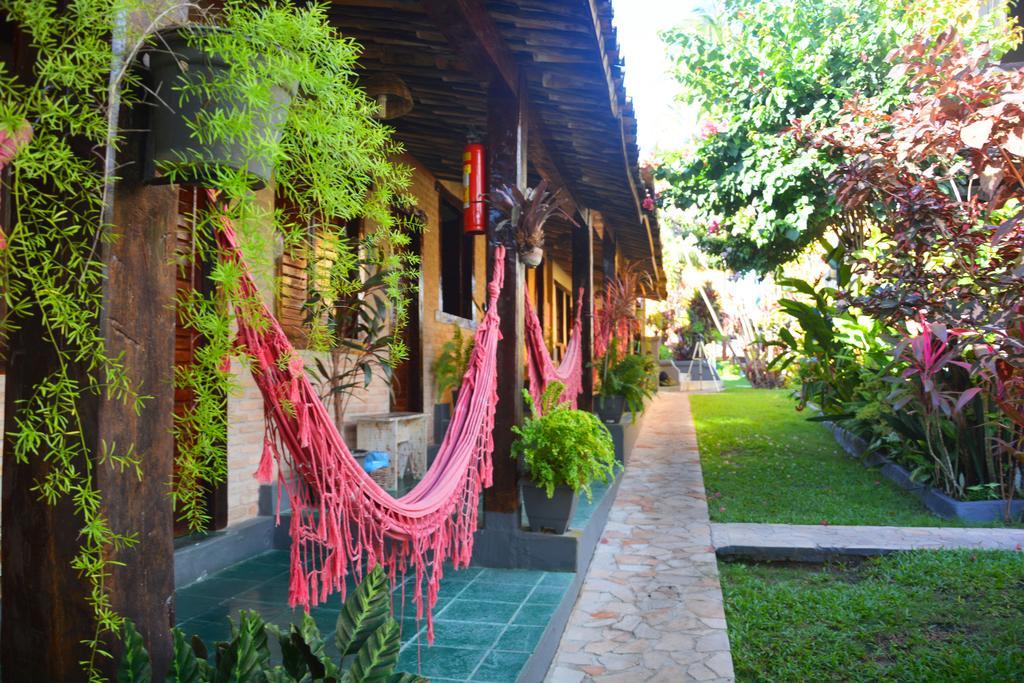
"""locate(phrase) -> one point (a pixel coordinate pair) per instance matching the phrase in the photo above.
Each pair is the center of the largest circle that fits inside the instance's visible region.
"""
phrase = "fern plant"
(562, 446)
(451, 364)
(366, 636)
(632, 378)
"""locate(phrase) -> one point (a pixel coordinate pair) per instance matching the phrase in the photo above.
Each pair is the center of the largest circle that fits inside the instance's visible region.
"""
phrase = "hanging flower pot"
(532, 257)
(178, 66)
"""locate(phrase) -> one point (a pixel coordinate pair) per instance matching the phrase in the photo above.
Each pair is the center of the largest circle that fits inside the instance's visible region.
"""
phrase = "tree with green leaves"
(756, 195)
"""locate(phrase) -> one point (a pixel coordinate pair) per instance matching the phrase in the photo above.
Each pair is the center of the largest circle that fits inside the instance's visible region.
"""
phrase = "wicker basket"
(385, 477)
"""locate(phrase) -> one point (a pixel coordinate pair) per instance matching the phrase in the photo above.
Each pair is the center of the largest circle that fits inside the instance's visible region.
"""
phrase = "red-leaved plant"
(942, 179)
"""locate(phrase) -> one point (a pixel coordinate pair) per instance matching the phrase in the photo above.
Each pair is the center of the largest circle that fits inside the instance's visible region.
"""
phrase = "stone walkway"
(814, 543)
(651, 605)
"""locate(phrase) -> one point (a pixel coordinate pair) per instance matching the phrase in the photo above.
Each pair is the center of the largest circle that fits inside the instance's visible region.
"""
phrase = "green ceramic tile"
(559, 579)
(450, 662)
(410, 629)
(534, 615)
(520, 638)
(501, 667)
(546, 595)
(496, 592)
(465, 634)
(478, 611)
(189, 605)
(506, 576)
(217, 588)
(274, 613)
(279, 557)
(464, 574)
(253, 571)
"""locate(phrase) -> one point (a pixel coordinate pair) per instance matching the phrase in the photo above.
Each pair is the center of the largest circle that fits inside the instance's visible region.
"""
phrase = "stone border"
(813, 543)
(935, 500)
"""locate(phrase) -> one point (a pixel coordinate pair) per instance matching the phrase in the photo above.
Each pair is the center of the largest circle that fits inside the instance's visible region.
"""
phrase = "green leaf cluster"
(757, 196)
(366, 636)
(452, 362)
(562, 446)
(633, 377)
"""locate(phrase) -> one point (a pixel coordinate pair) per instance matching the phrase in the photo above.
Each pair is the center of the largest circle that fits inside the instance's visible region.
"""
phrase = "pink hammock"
(342, 521)
(541, 368)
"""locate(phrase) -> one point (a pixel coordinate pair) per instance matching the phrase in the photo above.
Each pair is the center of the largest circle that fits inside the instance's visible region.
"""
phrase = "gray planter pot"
(170, 142)
(610, 408)
(548, 514)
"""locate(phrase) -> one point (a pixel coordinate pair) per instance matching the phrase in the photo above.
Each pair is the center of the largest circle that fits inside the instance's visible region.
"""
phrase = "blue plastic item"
(376, 460)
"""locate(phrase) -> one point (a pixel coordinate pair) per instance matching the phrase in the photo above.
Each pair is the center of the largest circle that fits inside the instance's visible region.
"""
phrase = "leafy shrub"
(632, 378)
(754, 66)
(452, 362)
(366, 636)
(564, 446)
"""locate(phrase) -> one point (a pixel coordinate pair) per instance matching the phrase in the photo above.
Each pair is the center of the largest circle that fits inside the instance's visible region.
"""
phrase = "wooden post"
(46, 617)
(506, 165)
(608, 252)
(583, 278)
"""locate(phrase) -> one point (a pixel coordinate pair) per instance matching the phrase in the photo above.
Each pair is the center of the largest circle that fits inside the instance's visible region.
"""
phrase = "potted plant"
(189, 74)
(451, 364)
(449, 368)
(623, 383)
(525, 214)
(563, 450)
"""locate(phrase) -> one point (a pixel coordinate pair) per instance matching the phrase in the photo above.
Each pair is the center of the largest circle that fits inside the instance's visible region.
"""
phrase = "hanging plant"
(525, 214)
(331, 159)
(187, 79)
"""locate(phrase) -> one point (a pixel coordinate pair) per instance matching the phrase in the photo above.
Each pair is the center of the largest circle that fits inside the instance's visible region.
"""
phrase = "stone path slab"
(815, 543)
(651, 605)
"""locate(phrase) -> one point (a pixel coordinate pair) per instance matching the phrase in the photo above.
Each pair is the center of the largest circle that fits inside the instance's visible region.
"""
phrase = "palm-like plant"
(525, 214)
(618, 317)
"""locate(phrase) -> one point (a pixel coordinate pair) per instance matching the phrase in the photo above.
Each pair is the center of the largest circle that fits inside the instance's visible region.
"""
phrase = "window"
(456, 262)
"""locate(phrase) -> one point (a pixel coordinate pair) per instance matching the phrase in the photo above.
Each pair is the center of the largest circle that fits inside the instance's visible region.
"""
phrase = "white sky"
(663, 123)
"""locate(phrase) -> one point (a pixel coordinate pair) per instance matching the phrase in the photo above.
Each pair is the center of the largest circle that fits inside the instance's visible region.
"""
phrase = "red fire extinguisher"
(474, 213)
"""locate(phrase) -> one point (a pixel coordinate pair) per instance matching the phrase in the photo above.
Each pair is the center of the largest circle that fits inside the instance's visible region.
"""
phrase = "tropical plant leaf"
(185, 667)
(365, 609)
(135, 666)
(376, 659)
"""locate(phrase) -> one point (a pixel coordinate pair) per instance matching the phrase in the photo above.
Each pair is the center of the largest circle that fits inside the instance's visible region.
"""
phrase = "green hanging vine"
(332, 163)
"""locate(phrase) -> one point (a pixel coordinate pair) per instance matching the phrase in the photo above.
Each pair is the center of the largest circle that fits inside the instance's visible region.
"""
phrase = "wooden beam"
(470, 29)
(583, 278)
(506, 165)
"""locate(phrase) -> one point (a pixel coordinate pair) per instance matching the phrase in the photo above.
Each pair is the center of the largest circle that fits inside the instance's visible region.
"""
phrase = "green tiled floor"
(486, 623)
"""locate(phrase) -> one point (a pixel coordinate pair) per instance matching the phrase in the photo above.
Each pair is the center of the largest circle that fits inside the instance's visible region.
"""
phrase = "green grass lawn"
(764, 462)
(917, 616)
(731, 376)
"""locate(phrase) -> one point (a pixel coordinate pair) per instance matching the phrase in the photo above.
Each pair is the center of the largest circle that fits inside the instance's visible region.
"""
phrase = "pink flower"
(648, 203)
(760, 73)
(709, 129)
(713, 226)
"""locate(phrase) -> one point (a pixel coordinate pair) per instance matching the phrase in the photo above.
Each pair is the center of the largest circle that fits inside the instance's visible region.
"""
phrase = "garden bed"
(915, 616)
(764, 462)
(932, 498)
